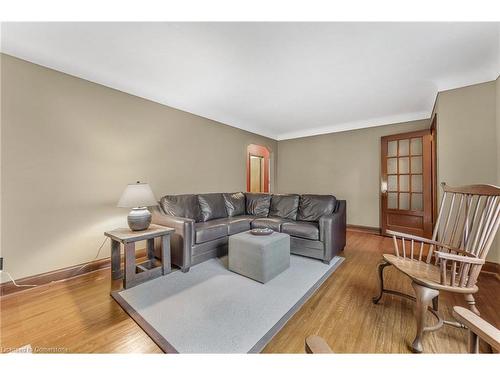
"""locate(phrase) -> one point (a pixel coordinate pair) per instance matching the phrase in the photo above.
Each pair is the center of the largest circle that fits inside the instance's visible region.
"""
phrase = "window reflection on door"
(256, 174)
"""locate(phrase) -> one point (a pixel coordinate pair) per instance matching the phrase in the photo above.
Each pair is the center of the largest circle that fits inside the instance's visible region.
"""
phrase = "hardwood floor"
(78, 315)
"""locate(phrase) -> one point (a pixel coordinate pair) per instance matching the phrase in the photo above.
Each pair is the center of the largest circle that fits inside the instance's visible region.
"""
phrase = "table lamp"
(138, 196)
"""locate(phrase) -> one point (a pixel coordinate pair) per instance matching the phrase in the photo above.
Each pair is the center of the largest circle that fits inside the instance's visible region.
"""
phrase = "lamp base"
(139, 218)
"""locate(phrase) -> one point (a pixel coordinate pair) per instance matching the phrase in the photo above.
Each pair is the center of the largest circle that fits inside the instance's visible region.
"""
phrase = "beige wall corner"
(345, 164)
(467, 138)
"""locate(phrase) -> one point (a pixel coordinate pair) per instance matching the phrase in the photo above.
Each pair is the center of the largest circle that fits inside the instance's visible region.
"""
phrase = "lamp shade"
(137, 195)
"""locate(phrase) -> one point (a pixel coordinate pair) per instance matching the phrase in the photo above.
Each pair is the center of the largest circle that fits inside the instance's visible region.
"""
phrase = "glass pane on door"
(416, 183)
(416, 202)
(404, 201)
(392, 201)
(392, 183)
(392, 165)
(416, 164)
(404, 165)
(416, 146)
(404, 182)
(392, 148)
(404, 147)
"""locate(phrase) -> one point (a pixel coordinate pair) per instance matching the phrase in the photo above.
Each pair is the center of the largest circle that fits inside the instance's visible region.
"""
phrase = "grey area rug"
(213, 310)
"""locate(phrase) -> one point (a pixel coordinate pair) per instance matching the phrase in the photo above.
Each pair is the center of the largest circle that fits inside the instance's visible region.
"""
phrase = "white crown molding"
(363, 124)
(462, 82)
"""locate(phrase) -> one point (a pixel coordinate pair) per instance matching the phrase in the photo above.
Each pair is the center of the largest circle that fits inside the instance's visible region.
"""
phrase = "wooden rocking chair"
(467, 222)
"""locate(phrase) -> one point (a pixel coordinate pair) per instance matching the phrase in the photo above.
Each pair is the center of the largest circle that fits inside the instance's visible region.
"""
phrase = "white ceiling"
(282, 80)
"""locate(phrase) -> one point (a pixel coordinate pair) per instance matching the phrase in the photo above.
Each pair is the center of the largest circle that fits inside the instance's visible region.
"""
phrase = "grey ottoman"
(259, 257)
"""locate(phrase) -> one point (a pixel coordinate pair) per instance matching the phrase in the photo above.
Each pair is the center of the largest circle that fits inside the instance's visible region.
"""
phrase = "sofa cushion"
(238, 224)
(284, 205)
(312, 207)
(235, 203)
(273, 223)
(212, 206)
(210, 230)
(235, 224)
(182, 205)
(307, 230)
(258, 204)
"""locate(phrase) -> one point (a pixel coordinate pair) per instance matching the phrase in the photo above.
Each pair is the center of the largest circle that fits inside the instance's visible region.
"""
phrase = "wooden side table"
(137, 273)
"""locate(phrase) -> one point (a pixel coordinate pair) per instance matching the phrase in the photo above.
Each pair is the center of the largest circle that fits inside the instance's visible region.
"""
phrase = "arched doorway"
(257, 169)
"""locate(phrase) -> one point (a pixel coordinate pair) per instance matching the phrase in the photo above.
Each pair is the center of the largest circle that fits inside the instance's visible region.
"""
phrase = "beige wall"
(69, 147)
(346, 164)
(467, 138)
(466, 130)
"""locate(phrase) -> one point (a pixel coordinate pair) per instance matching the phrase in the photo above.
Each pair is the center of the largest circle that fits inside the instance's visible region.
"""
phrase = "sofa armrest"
(332, 231)
(181, 240)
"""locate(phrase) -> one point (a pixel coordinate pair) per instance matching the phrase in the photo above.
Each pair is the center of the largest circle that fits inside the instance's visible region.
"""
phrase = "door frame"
(427, 189)
(434, 168)
(263, 152)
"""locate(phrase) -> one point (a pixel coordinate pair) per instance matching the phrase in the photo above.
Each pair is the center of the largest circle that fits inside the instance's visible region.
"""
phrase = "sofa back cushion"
(235, 203)
(312, 207)
(212, 206)
(284, 206)
(258, 204)
(182, 205)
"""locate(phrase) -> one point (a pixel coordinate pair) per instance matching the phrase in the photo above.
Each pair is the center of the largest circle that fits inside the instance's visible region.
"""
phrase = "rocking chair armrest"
(459, 258)
(479, 326)
(317, 345)
(425, 240)
(408, 236)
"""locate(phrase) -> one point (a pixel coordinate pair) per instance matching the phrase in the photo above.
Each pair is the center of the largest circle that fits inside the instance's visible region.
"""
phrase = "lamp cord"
(14, 281)
(95, 258)
(78, 270)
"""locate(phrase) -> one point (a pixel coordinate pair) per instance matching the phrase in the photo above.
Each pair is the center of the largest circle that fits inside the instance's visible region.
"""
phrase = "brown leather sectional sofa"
(203, 223)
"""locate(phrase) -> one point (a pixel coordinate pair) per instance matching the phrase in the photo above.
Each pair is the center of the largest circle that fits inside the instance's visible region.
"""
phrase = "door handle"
(383, 187)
